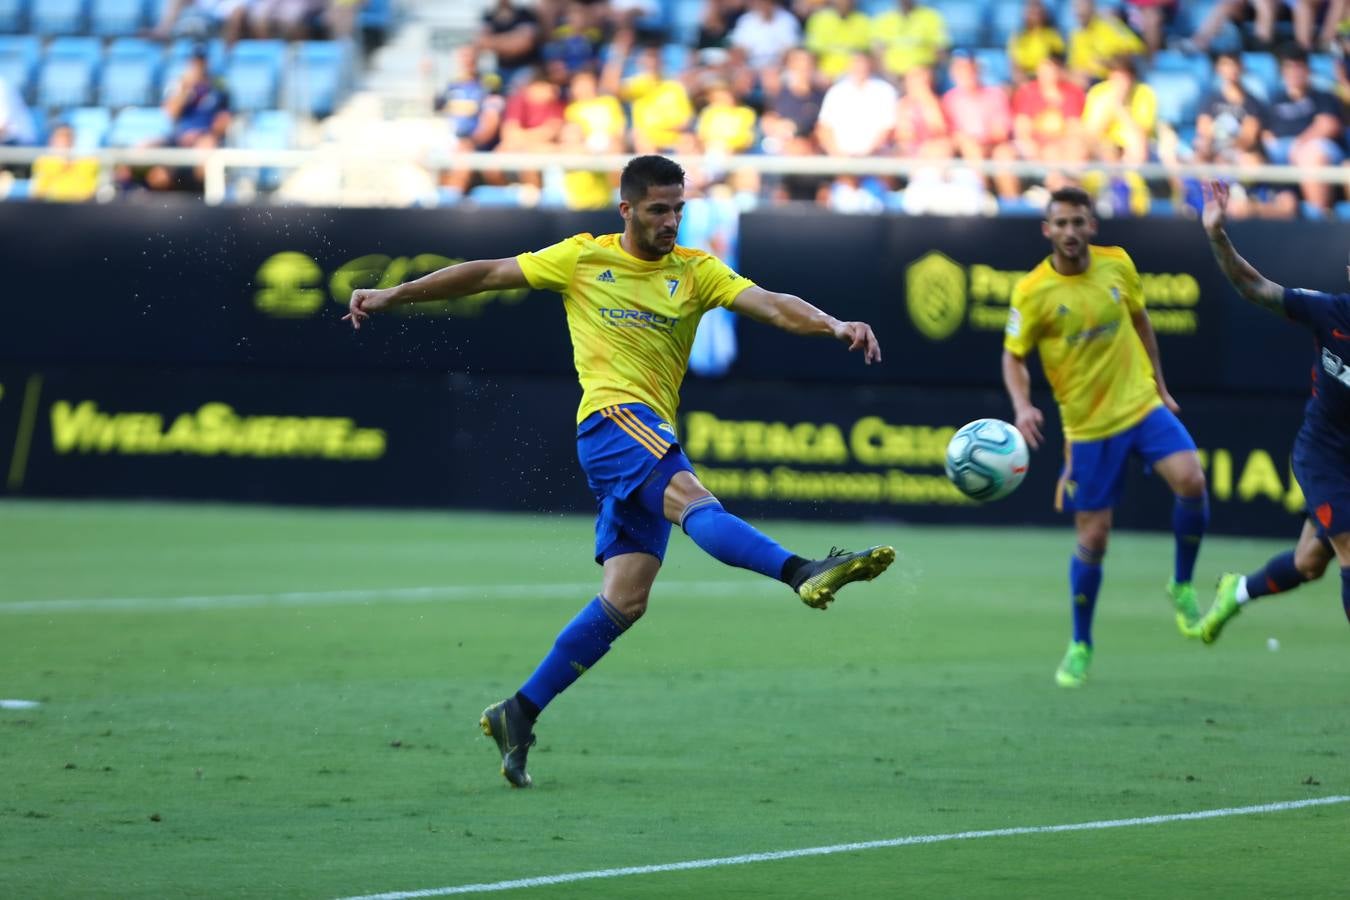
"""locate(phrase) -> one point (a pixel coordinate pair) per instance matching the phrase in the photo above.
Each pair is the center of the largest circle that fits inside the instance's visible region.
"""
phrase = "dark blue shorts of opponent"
(1326, 486)
(629, 455)
(1094, 471)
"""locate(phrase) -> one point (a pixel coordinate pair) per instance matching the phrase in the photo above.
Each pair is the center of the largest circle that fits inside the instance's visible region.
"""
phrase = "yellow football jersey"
(632, 321)
(1093, 357)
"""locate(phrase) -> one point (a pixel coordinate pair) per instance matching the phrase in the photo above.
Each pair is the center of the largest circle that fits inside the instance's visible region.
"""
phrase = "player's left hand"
(1169, 401)
(366, 301)
(859, 336)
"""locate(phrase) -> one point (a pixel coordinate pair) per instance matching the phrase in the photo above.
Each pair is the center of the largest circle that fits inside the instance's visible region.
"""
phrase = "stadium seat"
(1196, 65)
(253, 74)
(13, 16)
(674, 59)
(995, 67)
(1005, 17)
(67, 77)
(684, 22)
(90, 124)
(57, 16)
(318, 77)
(137, 125)
(1261, 69)
(1342, 210)
(495, 194)
(965, 21)
(130, 74)
(1323, 66)
(1178, 96)
(271, 129)
(19, 56)
(116, 17)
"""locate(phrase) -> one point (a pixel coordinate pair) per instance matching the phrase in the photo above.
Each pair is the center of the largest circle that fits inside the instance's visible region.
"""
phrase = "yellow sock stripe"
(650, 447)
(645, 429)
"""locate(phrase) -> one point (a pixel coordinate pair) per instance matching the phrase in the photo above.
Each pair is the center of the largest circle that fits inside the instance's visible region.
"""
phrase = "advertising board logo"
(935, 294)
(290, 286)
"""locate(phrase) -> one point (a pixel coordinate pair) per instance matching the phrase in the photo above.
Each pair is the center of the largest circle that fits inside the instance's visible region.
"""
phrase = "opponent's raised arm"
(1244, 277)
(458, 280)
(793, 314)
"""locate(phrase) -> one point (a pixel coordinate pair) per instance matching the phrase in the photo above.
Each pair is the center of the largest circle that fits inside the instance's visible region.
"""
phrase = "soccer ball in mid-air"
(987, 459)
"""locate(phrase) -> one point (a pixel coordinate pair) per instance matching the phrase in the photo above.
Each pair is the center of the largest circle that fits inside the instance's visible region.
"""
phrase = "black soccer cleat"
(507, 725)
(821, 578)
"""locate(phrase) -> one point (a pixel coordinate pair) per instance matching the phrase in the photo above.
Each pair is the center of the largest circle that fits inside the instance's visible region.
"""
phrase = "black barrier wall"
(507, 443)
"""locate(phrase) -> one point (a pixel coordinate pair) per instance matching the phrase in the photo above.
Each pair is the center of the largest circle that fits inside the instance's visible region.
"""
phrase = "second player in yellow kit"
(633, 302)
(1082, 309)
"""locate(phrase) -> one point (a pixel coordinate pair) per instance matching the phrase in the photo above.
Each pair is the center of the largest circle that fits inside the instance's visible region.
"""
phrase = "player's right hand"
(1216, 206)
(1029, 421)
(364, 302)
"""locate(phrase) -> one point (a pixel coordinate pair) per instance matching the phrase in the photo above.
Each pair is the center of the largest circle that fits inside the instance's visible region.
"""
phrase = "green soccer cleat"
(825, 576)
(507, 725)
(1183, 600)
(1224, 608)
(1072, 672)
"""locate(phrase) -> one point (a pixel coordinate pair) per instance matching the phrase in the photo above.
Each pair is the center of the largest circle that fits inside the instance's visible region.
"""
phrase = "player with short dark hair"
(1083, 310)
(1322, 449)
(633, 301)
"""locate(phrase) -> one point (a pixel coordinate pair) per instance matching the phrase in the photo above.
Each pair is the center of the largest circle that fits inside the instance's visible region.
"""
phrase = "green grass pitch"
(251, 702)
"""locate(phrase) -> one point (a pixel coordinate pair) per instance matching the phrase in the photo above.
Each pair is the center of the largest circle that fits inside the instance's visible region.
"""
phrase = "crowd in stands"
(1077, 82)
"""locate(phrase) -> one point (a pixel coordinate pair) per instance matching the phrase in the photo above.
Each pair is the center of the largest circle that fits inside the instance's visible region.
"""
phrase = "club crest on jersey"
(1062, 310)
(605, 277)
(665, 426)
(672, 284)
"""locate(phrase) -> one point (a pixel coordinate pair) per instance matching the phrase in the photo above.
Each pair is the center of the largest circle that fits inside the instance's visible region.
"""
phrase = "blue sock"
(1190, 515)
(1085, 580)
(1345, 590)
(731, 540)
(1277, 576)
(579, 646)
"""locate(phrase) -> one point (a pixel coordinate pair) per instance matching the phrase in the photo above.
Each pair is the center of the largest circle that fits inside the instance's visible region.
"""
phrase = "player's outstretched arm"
(453, 281)
(1017, 379)
(794, 314)
(1243, 276)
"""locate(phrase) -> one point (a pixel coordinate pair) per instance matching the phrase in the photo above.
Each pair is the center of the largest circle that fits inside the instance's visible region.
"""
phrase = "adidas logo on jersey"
(606, 277)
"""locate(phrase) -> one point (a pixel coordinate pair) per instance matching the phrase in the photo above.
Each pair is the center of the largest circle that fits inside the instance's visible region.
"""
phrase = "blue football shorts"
(1326, 487)
(629, 455)
(1094, 471)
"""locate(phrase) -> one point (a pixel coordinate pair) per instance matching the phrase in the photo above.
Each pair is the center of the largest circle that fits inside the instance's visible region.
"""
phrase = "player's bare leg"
(1185, 476)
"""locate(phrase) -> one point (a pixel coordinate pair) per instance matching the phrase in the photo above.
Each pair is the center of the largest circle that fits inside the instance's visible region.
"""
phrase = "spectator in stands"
(17, 128)
(1302, 126)
(725, 125)
(720, 17)
(979, 120)
(1047, 115)
(765, 33)
(1120, 115)
(1099, 38)
(340, 18)
(857, 113)
(660, 107)
(835, 32)
(1151, 19)
(583, 188)
(1033, 42)
(632, 16)
(511, 33)
(475, 110)
(576, 40)
(1261, 13)
(910, 35)
(199, 108)
(200, 18)
(921, 128)
(61, 177)
(533, 117)
(793, 97)
(599, 118)
(1228, 121)
(287, 19)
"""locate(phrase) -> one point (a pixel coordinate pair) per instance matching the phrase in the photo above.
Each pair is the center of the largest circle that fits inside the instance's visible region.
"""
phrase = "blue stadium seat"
(1005, 18)
(90, 124)
(1263, 69)
(19, 56)
(116, 17)
(674, 59)
(139, 125)
(67, 77)
(253, 74)
(131, 73)
(318, 77)
(965, 21)
(995, 67)
(1197, 65)
(684, 21)
(57, 16)
(1323, 66)
(1342, 210)
(495, 194)
(13, 16)
(271, 129)
(1179, 96)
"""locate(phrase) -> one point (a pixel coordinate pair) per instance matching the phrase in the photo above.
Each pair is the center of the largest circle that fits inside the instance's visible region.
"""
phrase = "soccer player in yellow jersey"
(633, 301)
(1083, 310)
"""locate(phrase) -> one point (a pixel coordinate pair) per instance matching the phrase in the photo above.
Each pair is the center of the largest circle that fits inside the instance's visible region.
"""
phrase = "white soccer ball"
(987, 459)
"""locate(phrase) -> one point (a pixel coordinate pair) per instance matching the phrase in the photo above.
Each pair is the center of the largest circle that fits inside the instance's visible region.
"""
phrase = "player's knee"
(1191, 484)
(1310, 562)
(631, 603)
(1093, 538)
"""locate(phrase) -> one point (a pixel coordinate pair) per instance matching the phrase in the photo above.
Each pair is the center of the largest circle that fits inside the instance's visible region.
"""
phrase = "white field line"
(534, 591)
(549, 880)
